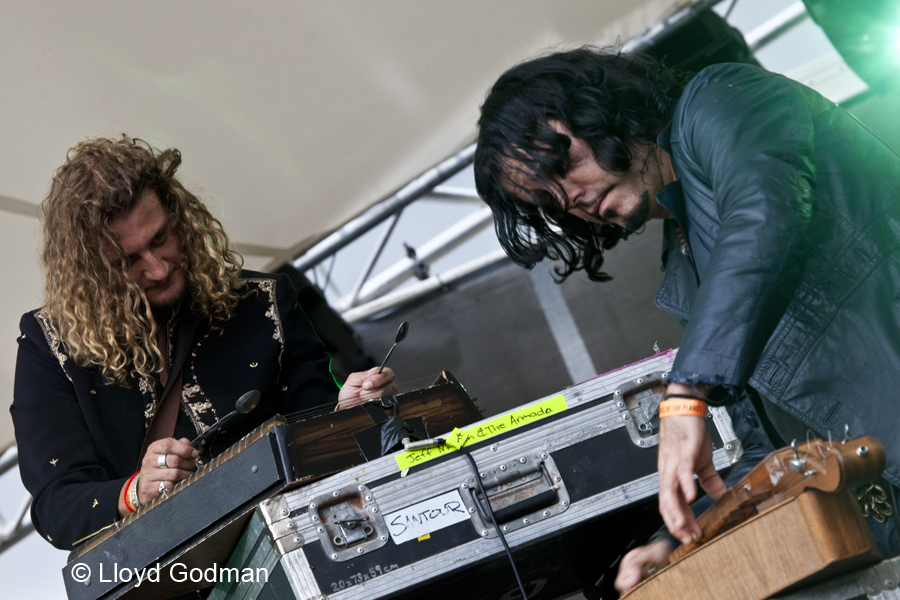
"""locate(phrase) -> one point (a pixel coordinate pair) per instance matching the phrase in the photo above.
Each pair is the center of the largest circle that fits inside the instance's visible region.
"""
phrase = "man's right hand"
(633, 567)
(685, 449)
(179, 460)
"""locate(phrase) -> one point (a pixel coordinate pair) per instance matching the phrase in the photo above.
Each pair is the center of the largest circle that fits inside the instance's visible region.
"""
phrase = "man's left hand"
(365, 386)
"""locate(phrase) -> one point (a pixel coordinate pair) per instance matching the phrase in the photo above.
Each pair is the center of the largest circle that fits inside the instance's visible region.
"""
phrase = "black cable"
(490, 512)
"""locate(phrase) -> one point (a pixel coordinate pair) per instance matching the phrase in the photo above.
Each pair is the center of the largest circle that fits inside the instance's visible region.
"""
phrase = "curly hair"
(94, 305)
(616, 102)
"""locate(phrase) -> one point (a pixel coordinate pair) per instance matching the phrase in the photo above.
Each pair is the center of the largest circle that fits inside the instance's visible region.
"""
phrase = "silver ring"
(161, 461)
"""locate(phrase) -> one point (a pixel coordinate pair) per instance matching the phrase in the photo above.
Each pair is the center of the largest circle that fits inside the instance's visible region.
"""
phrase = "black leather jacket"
(789, 278)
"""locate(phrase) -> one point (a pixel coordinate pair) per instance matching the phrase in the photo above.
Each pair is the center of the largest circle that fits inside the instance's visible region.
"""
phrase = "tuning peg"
(798, 463)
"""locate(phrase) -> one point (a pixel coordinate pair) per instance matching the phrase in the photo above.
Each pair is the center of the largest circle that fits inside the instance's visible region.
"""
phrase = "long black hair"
(613, 101)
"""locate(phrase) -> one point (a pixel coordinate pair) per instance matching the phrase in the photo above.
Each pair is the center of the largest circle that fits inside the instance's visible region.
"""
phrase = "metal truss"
(20, 525)
(372, 295)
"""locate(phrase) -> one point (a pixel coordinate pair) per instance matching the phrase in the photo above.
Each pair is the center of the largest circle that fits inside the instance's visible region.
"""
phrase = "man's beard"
(637, 218)
(164, 307)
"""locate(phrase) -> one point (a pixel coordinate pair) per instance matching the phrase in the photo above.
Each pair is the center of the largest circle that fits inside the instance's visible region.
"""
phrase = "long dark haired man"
(781, 244)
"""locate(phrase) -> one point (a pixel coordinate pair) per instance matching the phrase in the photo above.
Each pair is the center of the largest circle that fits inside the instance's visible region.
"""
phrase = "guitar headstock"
(825, 465)
(815, 464)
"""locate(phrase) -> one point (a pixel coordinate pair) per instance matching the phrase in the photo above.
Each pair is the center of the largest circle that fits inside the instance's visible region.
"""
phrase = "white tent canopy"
(292, 117)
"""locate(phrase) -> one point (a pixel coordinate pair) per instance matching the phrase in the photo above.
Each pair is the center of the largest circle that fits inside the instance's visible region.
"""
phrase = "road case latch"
(348, 522)
(522, 491)
(638, 404)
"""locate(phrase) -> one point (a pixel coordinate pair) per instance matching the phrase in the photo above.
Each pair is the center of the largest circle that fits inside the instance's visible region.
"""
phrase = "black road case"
(571, 479)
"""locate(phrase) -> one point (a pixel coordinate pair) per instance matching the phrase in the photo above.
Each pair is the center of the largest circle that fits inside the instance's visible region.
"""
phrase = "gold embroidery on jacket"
(268, 286)
(43, 320)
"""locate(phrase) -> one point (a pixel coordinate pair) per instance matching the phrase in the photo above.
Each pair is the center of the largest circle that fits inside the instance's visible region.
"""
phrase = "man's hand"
(685, 449)
(368, 385)
(632, 567)
(178, 456)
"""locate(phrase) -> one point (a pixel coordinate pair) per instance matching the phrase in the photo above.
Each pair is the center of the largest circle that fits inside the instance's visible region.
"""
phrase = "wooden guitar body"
(808, 538)
(790, 521)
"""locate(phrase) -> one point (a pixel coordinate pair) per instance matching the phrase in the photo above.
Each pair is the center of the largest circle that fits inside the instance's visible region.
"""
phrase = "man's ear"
(665, 166)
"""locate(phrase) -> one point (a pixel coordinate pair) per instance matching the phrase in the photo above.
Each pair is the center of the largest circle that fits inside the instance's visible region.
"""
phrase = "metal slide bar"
(432, 250)
(381, 211)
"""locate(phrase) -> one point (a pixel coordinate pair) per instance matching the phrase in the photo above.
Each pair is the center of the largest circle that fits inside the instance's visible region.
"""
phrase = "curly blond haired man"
(144, 301)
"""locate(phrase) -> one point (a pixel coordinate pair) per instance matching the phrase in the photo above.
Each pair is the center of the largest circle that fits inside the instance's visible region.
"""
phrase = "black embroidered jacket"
(79, 439)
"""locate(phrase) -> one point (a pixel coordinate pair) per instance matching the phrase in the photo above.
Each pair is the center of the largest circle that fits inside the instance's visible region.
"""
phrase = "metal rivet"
(640, 442)
(284, 511)
(523, 460)
(502, 467)
(374, 509)
(360, 487)
(625, 416)
(493, 448)
(557, 478)
(546, 513)
(640, 381)
(384, 537)
(471, 510)
(254, 468)
(334, 556)
(505, 528)
(728, 446)
(335, 494)
(360, 550)
(321, 530)
(565, 503)
(368, 498)
(484, 533)
(465, 485)
(526, 521)
(888, 583)
(315, 518)
(863, 451)
(543, 456)
(482, 475)
(312, 506)
(290, 525)
(298, 539)
(618, 392)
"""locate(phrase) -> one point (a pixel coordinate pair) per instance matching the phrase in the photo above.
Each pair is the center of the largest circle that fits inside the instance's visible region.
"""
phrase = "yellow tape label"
(459, 438)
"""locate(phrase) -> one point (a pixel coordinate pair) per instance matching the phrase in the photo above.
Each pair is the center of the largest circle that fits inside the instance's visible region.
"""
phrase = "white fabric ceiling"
(292, 117)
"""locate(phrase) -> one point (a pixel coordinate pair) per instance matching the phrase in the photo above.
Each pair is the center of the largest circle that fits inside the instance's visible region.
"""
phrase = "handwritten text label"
(476, 433)
(426, 517)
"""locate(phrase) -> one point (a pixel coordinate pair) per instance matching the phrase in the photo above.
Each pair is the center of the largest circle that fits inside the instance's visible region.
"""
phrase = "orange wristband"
(677, 408)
